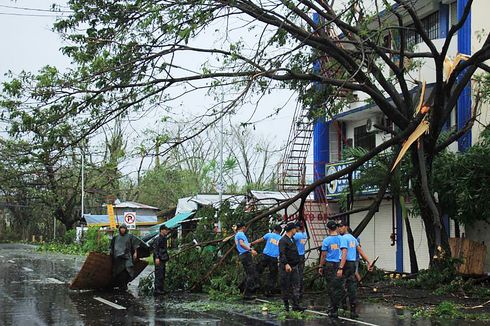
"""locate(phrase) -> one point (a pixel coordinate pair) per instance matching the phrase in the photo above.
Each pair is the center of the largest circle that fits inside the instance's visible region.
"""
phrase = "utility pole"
(83, 184)
(221, 145)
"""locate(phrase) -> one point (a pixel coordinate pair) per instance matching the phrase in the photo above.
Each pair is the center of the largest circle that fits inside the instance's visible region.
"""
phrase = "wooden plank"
(96, 272)
(471, 252)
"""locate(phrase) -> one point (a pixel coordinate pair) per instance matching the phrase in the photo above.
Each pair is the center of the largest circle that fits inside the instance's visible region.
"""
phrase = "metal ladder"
(292, 173)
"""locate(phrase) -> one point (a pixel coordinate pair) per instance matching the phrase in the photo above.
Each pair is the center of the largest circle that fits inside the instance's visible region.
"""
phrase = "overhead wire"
(36, 9)
(27, 15)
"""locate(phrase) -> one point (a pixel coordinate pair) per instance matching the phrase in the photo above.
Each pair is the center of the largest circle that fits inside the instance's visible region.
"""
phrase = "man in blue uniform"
(329, 263)
(300, 238)
(288, 268)
(246, 252)
(269, 257)
(347, 266)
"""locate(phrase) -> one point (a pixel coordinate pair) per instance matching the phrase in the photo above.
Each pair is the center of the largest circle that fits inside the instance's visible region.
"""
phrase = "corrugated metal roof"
(188, 204)
(132, 204)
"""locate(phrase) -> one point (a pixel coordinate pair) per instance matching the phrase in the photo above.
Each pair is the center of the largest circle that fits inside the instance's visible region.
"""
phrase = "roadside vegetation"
(93, 240)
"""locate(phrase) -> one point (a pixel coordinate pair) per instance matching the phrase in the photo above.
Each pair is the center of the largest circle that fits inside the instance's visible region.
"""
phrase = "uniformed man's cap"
(343, 223)
(123, 226)
(240, 225)
(332, 225)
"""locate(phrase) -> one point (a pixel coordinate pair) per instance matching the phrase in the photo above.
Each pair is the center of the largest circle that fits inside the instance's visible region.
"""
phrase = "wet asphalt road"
(34, 291)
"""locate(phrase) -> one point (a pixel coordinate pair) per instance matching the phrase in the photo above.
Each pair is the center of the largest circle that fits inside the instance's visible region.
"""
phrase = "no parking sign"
(130, 219)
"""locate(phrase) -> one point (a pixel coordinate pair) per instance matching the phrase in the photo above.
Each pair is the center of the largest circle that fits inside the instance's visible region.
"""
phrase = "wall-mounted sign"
(336, 187)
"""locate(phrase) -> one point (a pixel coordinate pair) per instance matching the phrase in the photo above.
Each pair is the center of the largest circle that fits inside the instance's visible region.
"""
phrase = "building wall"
(375, 238)
(420, 243)
(480, 27)
(480, 232)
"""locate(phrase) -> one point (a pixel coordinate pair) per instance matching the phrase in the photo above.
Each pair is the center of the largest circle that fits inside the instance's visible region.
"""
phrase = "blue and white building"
(354, 127)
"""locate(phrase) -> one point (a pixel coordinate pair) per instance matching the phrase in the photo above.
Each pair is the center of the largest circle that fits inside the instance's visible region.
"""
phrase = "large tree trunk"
(414, 266)
(437, 237)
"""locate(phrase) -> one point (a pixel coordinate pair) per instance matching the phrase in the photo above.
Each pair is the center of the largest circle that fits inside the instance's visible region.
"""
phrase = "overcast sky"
(28, 44)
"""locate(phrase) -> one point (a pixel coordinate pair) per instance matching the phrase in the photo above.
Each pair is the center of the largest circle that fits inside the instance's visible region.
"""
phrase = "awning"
(177, 219)
(171, 224)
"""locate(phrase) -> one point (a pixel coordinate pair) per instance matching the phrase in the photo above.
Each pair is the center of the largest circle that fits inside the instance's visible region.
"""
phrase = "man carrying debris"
(123, 251)
(269, 257)
(347, 266)
(246, 252)
(160, 257)
(288, 268)
(329, 264)
(300, 238)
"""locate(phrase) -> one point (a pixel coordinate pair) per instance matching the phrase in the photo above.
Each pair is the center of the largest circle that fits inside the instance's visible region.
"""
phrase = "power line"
(27, 15)
(35, 9)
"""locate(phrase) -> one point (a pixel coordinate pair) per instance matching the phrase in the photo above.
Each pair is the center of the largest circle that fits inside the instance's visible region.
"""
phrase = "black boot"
(286, 305)
(353, 312)
(297, 307)
(333, 312)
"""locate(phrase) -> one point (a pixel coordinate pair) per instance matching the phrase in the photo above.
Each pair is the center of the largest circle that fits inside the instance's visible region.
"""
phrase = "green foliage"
(220, 289)
(146, 284)
(461, 180)
(92, 241)
(433, 278)
(188, 265)
(444, 310)
(162, 186)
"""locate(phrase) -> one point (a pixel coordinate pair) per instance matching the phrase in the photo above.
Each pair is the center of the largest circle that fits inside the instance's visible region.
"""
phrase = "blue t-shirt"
(331, 245)
(272, 244)
(348, 241)
(241, 236)
(357, 252)
(300, 238)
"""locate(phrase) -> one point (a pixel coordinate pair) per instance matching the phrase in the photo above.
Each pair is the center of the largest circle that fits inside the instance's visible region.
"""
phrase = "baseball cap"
(332, 225)
(240, 225)
(343, 223)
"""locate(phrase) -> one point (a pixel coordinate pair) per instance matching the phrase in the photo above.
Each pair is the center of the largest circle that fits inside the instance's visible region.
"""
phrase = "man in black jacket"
(160, 257)
(288, 268)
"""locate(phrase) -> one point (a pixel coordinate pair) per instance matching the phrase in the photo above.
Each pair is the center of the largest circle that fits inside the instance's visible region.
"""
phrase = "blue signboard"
(336, 187)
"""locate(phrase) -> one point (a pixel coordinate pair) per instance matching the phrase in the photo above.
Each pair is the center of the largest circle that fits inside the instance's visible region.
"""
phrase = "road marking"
(11, 261)
(109, 303)
(360, 322)
(55, 281)
(27, 269)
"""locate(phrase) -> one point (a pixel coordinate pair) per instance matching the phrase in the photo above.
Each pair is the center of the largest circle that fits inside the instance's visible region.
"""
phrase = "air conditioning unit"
(370, 122)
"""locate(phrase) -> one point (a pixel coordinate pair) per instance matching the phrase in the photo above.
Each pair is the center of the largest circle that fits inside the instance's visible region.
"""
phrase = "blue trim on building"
(464, 101)
(443, 20)
(445, 222)
(321, 152)
(399, 236)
